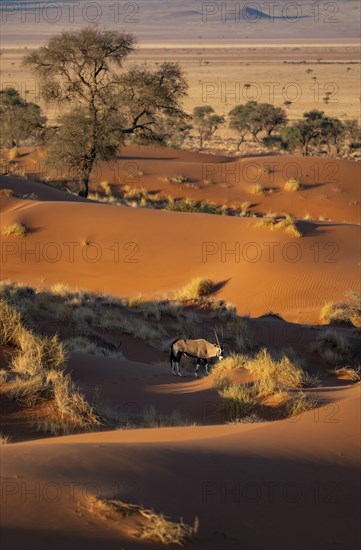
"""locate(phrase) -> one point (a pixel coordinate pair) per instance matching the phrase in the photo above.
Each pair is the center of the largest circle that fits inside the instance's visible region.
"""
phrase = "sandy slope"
(267, 486)
(288, 484)
(125, 251)
(330, 186)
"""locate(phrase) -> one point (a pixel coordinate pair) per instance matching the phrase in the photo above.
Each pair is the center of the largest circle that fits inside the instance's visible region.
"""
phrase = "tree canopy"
(84, 70)
(20, 120)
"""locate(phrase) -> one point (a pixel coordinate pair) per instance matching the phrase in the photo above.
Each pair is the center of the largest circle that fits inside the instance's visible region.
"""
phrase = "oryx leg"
(207, 367)
(197, 367)
(172, 362)
(178, 360)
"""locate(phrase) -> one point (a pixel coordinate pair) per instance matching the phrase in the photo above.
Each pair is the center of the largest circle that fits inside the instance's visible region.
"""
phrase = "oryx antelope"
(200, 349)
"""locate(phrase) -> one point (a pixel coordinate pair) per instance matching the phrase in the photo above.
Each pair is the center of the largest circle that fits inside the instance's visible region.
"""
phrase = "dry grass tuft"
(106, 188)
(4, 439)
(286, 224)
(15, 230)
(276, 378)
(13, 153)
(175, 179)
(284, 372)
(300, 403)
(332, 347)
(343, 312)
(196, 289)
(37, 371)
(150, 525)
(347, 373)
(258, 189)
(7, 193)
(292, 185)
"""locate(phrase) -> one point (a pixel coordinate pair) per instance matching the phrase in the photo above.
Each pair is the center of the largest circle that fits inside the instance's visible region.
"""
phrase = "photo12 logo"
(70, 12)
(270, 12)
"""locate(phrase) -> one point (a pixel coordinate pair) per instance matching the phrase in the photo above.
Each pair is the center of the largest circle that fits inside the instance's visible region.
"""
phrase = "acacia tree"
(84, 70)
(20, 120)
(206, 122)
(253, 118)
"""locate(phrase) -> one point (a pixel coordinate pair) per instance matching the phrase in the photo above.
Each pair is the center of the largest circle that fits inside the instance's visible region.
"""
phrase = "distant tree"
(240, 120)
(83, 70)
(255, 118)
(291, 138)
(206, 122)
(309, 130)
(332, 133)
(352, 132)
(170, 133)
(272, 117)
(20, 120)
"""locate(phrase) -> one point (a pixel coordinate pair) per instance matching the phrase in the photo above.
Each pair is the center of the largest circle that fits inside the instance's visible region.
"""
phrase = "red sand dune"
(330, 186)
(264, 486)
(124, 251)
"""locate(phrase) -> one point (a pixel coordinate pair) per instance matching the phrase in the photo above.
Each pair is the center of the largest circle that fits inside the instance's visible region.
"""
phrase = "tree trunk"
(84, 184)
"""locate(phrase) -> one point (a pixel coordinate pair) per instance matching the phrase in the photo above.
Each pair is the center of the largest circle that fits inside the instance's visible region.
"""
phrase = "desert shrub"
(13, 153)
(152, 310)
(300, 403)
(244, 208)
(15, 230)
(106, 188)
(292, 185)
(197, 288)
(37, 370)
(176, 179)
(286, 224)
(343, 312)
(7, 193)
(284, 372)
(240, 331)
(233, 361)
(257, 189)
(237, 400)
(134, 301)
(190, 205)
(150, 525)
(347, 373)
(332, 347)
(4, 439)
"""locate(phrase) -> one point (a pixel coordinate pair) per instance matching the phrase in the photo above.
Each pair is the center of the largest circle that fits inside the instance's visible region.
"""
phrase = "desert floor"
(217, 76)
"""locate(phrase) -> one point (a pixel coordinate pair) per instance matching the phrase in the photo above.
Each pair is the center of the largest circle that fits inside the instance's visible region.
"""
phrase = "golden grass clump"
(7, 193)
(15, 230)
(13, 153)
(106, 188)
(300, 403)
(343, 312)
(292, 184)
(244, 208)
(149, 525)
(286, 224)
(197, 288)
(4, 439)
(37, 371)
(257, 189)
(285, 372)
(231, 362)
(347, 373)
